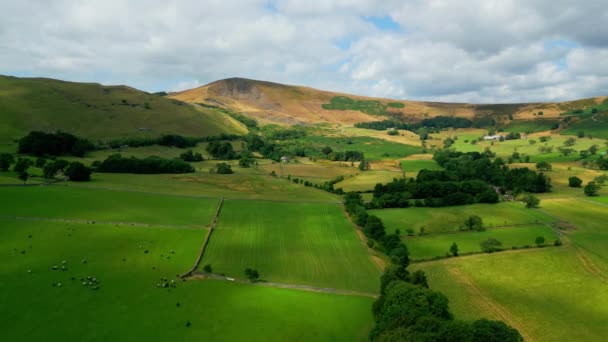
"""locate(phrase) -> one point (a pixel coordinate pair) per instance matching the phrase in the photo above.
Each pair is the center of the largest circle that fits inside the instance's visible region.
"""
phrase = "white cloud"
(481, 51)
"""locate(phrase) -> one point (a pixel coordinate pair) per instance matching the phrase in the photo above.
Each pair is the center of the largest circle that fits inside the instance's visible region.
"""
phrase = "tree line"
(54, 144)
(116, 163)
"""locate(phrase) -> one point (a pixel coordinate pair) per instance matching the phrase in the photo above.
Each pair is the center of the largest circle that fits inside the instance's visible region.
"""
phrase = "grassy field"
(530, 126)
(372, 148)
(447, 219)
(116, 111)
(367, 180)
(546, 293)
(308, 244)
(242, 184)
(436, 245)
(413, 166)
(128, 305)
(105, 205)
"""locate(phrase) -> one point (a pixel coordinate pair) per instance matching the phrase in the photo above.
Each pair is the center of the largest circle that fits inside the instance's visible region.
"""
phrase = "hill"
(286, 104)
(100, 112)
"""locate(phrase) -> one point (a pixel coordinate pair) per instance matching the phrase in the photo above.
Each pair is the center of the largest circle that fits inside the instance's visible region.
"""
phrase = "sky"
(483, 51)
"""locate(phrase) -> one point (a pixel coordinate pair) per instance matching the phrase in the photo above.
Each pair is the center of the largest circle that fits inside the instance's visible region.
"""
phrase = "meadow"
(438, 245)
(449, 219)
(545, 293)
(307, 244)
(129, 263)
(365, 181)
(67, 202)
(372, 148)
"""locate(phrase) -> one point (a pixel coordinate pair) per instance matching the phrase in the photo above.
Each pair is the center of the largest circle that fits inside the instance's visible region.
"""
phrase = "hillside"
(285, 104)
(100, 112)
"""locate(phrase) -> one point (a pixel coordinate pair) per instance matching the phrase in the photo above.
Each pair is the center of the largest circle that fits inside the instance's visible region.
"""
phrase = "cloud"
(476, 51)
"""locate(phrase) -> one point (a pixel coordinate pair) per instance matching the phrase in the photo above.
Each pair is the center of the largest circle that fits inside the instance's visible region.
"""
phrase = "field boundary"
(206, 241)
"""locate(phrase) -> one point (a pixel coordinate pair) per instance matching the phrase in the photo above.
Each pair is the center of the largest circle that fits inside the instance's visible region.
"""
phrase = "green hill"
(100, 112)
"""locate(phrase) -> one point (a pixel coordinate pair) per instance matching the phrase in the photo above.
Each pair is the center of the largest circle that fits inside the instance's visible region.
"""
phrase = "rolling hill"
(285, 104)
(100, 112)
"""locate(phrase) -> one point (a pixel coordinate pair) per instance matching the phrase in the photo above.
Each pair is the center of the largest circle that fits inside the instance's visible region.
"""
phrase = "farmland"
(128, 304)
(449, 219)
(438, 245)
(307, 244)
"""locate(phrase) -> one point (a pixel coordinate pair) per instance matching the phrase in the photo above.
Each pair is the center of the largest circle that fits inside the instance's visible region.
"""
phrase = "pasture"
(66, 202)
(365, 181)
(307, 244)
(449, 219)
(438, 245)
(372, 148)
(546, 293)
(128, 304)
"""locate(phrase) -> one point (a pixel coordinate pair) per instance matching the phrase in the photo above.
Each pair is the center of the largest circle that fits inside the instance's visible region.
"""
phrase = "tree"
(6, 160)
(326, 150)
(207, 268)
(593, 149)
(580, 134)
(190, 156)
(24, 176)
(374, 228)
(223, 168)
(531, 201)
(571, 141)
(575, 182)
(77, 172)
(540, 240)
(474, 222)
(486, 330)
(22, 165)
(454, 249)
(543, 166)
(490, 245)
(252, 274)
(40, 162)
(591, 189)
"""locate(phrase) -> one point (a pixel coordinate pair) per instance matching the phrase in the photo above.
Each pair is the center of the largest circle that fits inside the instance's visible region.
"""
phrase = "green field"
(546, 293)
(372, 148)
(447, 219)
(365, 181)
(412, 167)
(129, 306)
(308, 244)
(438, 245)
(238, 185)
(530, 126)
(105, 205)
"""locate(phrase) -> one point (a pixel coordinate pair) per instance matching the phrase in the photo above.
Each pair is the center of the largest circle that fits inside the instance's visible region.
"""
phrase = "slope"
(100, 112)
(286, 104)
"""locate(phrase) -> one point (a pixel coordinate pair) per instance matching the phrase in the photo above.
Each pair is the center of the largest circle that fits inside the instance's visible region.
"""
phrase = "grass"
(243, 184)
(530, 126)
(597, 126)
(365, 181)
(438, 245)
(308, 244)
(128, 306)
(117, 112)
(372, 148)
(545, 293)
(449, 219)
(372, 107)
(105, 205)
(415, 165)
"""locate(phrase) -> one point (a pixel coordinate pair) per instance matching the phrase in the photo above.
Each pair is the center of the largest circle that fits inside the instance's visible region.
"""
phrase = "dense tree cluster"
(190, 156)
(351, 156)
(435, 124)
(119, 164)
(467, 178)
(54, 144)
(78, 172)
(221, 150)
(408, 311)
(170, 140)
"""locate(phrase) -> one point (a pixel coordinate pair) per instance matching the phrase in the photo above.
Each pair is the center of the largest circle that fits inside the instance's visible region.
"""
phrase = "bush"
(55, 144)
(591, 189)
(223, 168)
(575, 182)
(490, 245)
(77, 172)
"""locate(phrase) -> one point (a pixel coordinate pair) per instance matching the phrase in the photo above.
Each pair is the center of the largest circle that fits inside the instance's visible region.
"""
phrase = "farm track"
(589, 266)
(487, 304)
(86, 221)
(309, 288)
